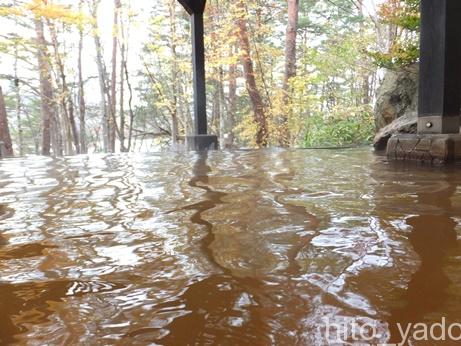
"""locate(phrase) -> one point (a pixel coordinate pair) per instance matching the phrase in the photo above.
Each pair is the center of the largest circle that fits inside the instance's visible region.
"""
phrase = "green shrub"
(338, 130)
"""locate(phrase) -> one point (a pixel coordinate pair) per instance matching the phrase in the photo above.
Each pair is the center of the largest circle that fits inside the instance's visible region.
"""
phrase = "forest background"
(90, 76)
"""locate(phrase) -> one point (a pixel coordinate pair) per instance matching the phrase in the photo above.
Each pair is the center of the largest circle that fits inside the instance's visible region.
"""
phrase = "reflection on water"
(432, 234)
(250, 247)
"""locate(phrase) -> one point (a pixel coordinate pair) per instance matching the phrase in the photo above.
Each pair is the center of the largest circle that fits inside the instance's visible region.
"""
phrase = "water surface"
(230, 248)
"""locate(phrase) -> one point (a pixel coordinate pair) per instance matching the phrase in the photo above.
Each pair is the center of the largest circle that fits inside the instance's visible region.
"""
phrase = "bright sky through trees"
(136, 85)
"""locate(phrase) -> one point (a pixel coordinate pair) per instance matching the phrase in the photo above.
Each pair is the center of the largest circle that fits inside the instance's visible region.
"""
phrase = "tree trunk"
(6, 146)
(66, 98)
(63, 117)
(224, 112)
(290, 66)
(185, 110)
(232, 99)
(255, 95)
(46, 90)
(290, 42)
(216, 109)
(102, 75)
(56, 133)
(122, 99)
(113, 82)
(366, 74)
(81, 92)
(18, 101)
(174, 72)
(130, 101)
(124, 76)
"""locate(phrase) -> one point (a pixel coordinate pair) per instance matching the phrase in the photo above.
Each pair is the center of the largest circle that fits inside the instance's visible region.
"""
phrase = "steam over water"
(229, 248)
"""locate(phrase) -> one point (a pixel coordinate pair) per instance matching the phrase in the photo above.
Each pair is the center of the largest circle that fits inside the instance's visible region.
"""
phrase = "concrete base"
(428, 148)
(201, 142)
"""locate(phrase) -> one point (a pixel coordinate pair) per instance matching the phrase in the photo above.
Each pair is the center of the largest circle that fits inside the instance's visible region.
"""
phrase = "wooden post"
(200, 140)
(438, 140)
(195, 8)
(198, 56)
(440, 67)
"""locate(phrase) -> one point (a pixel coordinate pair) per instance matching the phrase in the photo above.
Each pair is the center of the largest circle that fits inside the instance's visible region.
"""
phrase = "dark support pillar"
(200, 139)
(438, 138)
(440, 67)
(198, 60)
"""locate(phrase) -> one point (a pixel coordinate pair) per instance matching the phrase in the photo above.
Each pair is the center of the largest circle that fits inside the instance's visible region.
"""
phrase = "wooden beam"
(195, 8)
(440, 67)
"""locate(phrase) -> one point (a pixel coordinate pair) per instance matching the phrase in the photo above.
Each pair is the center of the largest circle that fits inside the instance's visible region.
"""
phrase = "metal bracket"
(436, 124)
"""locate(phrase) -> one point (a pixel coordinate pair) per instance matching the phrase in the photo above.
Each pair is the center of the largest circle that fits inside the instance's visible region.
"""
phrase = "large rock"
(404, 124)
(397, 98)
(397, 95)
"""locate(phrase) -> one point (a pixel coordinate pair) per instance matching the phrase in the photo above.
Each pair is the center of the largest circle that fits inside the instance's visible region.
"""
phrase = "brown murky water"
(233, 248)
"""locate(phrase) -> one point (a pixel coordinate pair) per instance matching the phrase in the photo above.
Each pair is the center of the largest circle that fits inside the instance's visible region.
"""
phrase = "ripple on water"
(239, 247)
